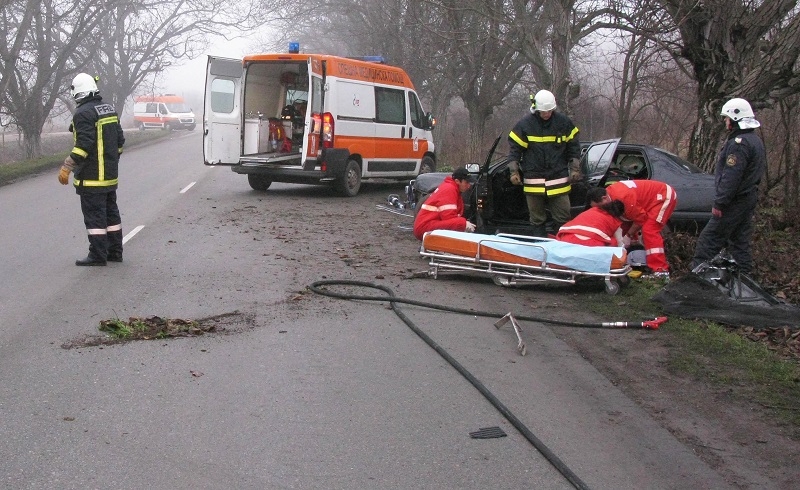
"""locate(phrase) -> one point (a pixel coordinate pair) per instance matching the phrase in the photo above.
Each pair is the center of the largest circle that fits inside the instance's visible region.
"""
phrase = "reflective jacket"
(442, 210)
(593, 227)
(644, 199)
(739, 167)
(544, 149)
(98, 143)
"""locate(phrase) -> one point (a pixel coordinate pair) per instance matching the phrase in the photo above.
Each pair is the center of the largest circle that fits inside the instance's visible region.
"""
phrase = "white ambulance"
(315, 119)
(168, 112)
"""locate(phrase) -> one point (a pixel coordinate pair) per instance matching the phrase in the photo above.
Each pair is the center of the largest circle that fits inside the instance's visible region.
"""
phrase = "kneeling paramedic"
(444, 209)
(94, 159)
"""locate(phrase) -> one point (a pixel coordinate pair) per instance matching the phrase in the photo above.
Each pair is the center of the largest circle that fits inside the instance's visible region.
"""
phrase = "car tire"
(258, 182)
(427, 165)
(349, 183)
(141, 126)
(167, 127)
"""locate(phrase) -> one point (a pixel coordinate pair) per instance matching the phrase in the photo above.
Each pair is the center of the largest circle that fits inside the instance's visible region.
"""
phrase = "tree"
(736, 48)
(53, 32)
(143, 38)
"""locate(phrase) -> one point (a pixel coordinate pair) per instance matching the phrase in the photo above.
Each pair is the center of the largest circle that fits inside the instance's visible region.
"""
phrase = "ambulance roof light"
(294, 47)
(371, 59)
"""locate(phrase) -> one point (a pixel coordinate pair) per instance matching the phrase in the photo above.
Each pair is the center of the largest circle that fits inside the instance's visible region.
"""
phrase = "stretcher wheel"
(612, 287)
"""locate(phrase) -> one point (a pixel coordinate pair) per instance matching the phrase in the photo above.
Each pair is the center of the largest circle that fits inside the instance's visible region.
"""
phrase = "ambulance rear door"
(222, 120)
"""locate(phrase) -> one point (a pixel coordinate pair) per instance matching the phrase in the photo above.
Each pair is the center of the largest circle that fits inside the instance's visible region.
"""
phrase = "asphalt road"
(303, 391)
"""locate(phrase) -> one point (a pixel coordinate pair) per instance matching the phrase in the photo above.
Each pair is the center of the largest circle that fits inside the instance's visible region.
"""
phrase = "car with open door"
(494, 204)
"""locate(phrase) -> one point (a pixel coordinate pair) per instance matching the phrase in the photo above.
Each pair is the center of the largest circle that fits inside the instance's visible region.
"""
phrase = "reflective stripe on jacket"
(98, 141)
(544, 148)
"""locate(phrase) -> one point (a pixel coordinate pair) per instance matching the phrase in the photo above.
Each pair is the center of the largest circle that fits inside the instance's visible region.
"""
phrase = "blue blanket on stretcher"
(593, 260)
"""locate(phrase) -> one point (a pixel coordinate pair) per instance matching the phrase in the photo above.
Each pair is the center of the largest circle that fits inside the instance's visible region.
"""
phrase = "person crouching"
(444, 209)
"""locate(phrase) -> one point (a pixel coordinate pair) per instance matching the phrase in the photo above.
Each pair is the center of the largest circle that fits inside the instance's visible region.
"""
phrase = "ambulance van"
(315, 119)
(166, 112)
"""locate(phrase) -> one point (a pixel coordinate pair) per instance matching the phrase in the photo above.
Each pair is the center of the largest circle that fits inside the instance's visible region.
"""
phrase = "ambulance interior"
(275, 104)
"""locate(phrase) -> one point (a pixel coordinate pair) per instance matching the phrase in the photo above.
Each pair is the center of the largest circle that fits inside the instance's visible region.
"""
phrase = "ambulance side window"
(316, 95)
(222, 91)
(390, 106)
(417, 114)
(151, 108)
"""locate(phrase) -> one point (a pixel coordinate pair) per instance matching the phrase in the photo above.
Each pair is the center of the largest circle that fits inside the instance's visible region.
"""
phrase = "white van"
(166, 112)
(315, 119)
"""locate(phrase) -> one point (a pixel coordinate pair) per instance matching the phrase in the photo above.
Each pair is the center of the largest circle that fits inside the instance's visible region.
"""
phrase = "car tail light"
(327, 130)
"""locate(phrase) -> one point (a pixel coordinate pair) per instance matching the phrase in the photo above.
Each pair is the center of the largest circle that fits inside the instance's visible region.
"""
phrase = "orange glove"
(66, 169)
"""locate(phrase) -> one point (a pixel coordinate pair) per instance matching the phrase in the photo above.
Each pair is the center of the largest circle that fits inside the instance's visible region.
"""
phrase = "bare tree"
(736, 48)
(143, 38)
(55, 30)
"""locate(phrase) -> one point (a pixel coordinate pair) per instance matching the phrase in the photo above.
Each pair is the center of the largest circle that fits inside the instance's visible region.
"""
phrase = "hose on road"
(318, 288)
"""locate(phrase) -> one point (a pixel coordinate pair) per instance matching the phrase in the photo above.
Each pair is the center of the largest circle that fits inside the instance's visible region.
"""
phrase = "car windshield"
(178, 107)
(690, 167)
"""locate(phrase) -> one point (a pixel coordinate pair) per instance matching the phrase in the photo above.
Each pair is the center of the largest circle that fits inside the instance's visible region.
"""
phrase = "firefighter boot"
(114, 246)
(98, 250)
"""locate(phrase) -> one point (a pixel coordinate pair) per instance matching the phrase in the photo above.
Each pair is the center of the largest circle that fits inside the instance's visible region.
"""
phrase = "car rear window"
(690, 167)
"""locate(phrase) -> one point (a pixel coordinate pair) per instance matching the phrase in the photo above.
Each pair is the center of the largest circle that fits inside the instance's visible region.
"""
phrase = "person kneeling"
(599, 226)
(444, 208)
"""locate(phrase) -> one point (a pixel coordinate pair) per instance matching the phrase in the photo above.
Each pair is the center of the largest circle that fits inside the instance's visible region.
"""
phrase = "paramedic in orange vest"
(444, 208)
(648, 206)
(598, 226)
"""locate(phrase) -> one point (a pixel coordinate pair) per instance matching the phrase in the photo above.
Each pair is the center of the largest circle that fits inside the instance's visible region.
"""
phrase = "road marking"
(132, 232)
(187, 187)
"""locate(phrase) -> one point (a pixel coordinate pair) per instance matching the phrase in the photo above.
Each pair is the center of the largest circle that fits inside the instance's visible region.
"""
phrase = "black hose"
(392, 299)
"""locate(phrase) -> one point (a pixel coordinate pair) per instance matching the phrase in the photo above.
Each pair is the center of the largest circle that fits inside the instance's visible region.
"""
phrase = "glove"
(66, 169)
(513, 169)
(575, 174)
(470, 227)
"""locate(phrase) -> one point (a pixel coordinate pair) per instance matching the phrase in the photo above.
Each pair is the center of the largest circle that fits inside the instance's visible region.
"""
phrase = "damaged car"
(495, 205)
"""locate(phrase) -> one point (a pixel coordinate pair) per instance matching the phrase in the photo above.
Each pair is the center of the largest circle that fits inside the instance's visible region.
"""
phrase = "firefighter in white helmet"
(94, 160)
(544, 146)
(739, 168)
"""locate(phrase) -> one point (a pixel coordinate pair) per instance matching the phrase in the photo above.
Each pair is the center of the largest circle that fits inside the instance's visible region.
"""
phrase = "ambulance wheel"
(167, 127)
(350, 182)
(258, 182)
(427, 165)
(141, 126)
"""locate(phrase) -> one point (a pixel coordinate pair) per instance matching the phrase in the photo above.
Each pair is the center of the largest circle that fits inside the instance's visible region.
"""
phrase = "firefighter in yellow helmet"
(94, 159)
(544, 146)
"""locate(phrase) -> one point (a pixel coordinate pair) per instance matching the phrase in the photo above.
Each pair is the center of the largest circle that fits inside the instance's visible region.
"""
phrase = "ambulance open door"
(222, 119)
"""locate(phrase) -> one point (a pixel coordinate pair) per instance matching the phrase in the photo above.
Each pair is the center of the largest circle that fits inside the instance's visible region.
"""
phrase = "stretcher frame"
(509, 272)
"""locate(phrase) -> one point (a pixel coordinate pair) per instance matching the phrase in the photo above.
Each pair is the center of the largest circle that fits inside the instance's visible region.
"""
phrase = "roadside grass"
(709, 352)
(13, 171)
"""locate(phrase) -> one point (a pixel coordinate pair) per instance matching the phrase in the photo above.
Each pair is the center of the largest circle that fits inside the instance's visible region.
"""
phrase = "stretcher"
(516, 260)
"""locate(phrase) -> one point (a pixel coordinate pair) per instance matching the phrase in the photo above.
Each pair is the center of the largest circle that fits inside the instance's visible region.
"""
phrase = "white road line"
(187, 187)
(132, 232)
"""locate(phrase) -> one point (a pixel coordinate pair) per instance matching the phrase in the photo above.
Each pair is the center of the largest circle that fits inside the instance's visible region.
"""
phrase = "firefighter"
(444, 209)
(648, 206)
(544, 143)
(738, 171)
(94, 160)
(598, 226)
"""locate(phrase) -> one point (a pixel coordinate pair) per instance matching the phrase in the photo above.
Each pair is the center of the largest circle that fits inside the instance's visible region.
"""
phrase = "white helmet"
(83, 85)
(544, 100)
(737, 109)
